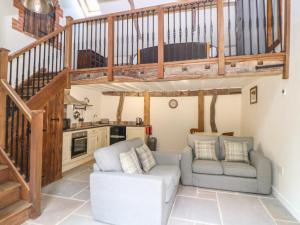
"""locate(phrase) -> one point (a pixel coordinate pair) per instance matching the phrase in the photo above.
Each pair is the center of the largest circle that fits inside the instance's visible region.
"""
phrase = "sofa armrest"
(119, 198)
(166, 158)
(186, 166)
(263, 170)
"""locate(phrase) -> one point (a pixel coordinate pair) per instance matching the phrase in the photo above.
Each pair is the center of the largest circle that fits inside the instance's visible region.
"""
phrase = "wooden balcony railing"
(214, 31)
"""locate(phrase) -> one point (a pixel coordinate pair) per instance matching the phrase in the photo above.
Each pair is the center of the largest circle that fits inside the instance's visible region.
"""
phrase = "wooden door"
(52, 139)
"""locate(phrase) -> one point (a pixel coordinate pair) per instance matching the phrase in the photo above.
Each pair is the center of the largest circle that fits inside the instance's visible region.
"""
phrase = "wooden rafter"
(120, 108)
(213, 125)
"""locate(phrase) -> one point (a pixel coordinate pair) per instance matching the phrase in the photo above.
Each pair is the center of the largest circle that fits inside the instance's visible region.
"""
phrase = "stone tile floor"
(67, 202)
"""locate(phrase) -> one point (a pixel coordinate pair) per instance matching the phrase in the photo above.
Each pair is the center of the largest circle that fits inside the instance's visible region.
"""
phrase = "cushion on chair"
(205, 150)
(146, 157)
(191, 138)
(108, 159)
(238, 169)
(207, 167)
(170, 175)
(236, 151)
(130, 162)
(249, 140)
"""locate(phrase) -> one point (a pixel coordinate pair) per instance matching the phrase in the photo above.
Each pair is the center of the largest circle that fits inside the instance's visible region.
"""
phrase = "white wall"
(170, 126)
(275, 123)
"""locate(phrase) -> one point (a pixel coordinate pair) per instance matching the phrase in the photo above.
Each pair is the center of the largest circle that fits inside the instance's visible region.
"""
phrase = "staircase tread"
(13, 209)
(9, 185)
(3, 167)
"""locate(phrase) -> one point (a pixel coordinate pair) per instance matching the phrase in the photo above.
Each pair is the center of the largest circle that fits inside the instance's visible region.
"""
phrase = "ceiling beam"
(229, 91)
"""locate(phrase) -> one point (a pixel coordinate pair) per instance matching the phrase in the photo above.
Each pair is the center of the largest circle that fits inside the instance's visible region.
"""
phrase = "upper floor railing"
(195, 30)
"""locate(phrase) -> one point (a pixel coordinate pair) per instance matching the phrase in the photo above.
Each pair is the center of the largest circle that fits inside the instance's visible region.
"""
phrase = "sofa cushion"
(237, 169)
(170, 175)
(135, 143)
(191, 138)
(205, 150)
(207, 167)
(146, 157)
(249, 140)
(108, 158)
(236, 151)
(130, 162)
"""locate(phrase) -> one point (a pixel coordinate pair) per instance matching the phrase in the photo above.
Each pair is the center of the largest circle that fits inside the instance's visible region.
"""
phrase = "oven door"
(79, 146)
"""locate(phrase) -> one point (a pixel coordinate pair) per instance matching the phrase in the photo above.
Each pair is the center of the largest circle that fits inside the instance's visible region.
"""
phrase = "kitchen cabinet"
(135, 132)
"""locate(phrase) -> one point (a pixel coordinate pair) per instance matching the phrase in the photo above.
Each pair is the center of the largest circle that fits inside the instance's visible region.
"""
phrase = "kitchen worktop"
(91, 125)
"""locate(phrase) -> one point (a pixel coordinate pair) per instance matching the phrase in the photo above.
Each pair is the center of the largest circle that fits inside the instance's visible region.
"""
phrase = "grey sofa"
(139, 199)
(253, 178)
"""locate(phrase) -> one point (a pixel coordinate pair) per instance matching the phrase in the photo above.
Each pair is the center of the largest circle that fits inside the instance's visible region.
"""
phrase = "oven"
(117, 134)
(79, 144)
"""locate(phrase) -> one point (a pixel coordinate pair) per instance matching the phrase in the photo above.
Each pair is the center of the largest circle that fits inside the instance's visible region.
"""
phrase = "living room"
(176, 125)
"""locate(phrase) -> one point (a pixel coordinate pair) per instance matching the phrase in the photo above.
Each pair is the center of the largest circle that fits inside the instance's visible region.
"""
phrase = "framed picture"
(253, 95)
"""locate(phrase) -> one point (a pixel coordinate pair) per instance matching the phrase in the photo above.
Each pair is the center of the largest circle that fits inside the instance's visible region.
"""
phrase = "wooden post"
(201, 111)
(221, 51)
(120, 107)
(213, 125)
(110, 55)
(287, 25)
(36, 148)
(3, 75)
(68, 49)
(161, 45)
(146, 108)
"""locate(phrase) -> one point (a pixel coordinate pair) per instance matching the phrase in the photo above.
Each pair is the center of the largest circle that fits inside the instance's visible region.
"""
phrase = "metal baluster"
(122, 52)
(87, 40)
(127, 39)
(96, 38)
(22, 144)
(91, 48)
(105, 27)
(34, 78)
(169, 35)
(48, 66)
(10, 72)
(174, 33)
(192, 29)
(117, 39)
(132, 38)
(39, 67)
(211, 26)
(28, 131)
(153, 35)
(28, 74)
(229, 26)
(17, 137)
(147, 29)
(250, 27)
(273, 26)
(64, 44)
(78, 44)
(100, 42)
(52, 66)
(280, 24)
(198, 27)
(74, 43)
(235, 33)
(204, 19)
(243, 28)
(180, 28)
(7, 116)
(82, 43)
(61, 50)
(44, 64)
(56, 56)
(257, 27)
(137, 37)
(12, 108)
(23, 75)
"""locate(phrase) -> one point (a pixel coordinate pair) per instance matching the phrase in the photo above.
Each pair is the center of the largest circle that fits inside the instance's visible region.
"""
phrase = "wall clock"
(173, 103)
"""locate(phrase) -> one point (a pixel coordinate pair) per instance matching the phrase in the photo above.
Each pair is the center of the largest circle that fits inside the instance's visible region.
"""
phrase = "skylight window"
(90, 7)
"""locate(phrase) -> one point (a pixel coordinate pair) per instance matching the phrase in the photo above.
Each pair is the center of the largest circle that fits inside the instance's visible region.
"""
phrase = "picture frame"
(253, 95)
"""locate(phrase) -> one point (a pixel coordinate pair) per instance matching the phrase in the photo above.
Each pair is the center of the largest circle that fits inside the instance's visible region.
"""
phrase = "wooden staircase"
(13, 210)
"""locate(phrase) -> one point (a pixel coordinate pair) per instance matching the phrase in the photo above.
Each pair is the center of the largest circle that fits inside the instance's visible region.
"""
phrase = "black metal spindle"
(7, 116)
(10, 72)
(273, 24)
(34, 71)
(64, 46)
(52, 65)
(132, 40)
(91, 43)
(12, 108)
(22, 143)
(83, 30)
(204, 19)
(28, 131)
(44, 63)
(74, 43)
(257, 27)
(180, 28)
(122, 45)
(243, 28)
(229, 26)
(39, 67)
(48, 58)
(17, 136)
(174, 32)
(250, 27)
(28, 74)
(117, 39)
(147, 29)
(87, 40)
(105, 27)
(23, 76)
(78, 43)
(236, 35)
(61, 50)
(100, 42)
(56, 55)
(280, 24)
(211, 25)
(153, 35)
(96, 41)
(127, 39)
(137, 37)
(192, 29)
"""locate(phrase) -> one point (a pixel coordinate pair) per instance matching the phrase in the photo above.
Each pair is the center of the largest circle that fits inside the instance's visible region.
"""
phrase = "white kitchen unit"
(135, 132)
(96, 138)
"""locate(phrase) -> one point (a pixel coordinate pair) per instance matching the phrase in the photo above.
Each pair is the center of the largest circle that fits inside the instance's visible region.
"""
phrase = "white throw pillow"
(130, 162)
(205, 150)
(146, 157)
(236, 151)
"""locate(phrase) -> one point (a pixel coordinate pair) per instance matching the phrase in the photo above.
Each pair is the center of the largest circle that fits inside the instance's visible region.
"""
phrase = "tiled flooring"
(67, 202)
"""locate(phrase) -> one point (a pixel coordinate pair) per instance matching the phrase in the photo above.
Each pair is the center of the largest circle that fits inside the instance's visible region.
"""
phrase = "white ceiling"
(182, 85)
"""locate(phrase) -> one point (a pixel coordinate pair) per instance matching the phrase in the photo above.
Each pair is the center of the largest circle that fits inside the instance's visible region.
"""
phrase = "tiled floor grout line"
(192, 221)
(197, 197)
(219, 207)
(70, 214)
(267, 211)
(65, 198)
(72, 197)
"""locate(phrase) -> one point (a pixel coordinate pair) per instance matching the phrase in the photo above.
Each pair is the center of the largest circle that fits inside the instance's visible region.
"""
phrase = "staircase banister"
(16, 99)
(36, 43)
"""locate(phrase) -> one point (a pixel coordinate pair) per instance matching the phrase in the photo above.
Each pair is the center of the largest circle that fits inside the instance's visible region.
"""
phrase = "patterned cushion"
(130, 162)
(146, 158)
(236, 151)
(205, 150)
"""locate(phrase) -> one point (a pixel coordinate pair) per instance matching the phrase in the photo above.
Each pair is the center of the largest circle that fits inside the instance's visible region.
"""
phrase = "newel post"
(221, 48)
(36, 147)
(68, 49)
(3, 75)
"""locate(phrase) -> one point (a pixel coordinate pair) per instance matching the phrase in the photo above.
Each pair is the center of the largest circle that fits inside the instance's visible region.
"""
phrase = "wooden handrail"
(36, 43)
(16, 99)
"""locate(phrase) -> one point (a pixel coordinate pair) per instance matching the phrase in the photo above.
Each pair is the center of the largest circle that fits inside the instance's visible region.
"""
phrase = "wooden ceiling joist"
(228, 91)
